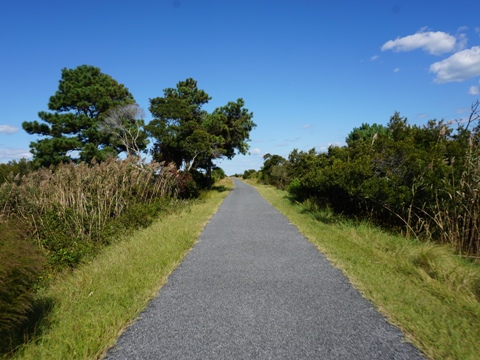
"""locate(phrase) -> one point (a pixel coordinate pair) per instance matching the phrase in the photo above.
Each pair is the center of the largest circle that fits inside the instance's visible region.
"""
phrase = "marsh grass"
(432, 294)
(96, 302)
(73, 207)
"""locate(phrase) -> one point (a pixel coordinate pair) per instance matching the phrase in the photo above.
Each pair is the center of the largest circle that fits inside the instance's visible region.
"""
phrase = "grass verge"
(424, 289)
(95, 303)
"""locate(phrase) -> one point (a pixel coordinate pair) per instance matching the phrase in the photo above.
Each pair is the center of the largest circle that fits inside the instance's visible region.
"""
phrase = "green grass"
(425, 289)
(94, 304)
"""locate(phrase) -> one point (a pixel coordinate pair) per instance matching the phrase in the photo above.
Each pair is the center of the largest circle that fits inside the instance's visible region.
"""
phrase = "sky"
(310, 70)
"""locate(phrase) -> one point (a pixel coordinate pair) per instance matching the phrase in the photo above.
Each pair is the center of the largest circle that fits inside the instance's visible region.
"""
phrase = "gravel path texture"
(254, 288)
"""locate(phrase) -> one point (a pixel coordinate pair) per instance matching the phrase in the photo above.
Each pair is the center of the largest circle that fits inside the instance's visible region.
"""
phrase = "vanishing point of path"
(254, 288)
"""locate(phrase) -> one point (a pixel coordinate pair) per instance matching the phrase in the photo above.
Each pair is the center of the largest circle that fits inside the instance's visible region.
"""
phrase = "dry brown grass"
(71, 206)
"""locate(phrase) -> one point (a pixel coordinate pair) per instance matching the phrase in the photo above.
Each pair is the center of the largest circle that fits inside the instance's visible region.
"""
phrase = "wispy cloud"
(460, 66)
(307, 126)
(255, 151)
(8, 154)
(474, 90)
(374, 57)
(7, 129)
(396, 70)
(287, 142)
(461, 111)
(435, 43)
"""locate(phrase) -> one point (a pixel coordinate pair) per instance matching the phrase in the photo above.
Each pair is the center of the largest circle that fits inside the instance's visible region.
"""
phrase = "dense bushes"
(423, 181)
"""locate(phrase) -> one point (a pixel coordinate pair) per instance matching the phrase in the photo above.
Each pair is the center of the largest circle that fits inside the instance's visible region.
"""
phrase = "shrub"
(21, 264)
(218, 174)
(249, 174)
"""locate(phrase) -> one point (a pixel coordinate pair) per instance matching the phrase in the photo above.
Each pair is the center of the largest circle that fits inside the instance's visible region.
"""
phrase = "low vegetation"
(432, 294)
(58, 218)
(74, 209)
(93, 304)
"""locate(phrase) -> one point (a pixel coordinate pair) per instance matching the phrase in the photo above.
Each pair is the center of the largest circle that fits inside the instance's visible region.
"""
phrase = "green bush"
(249, 174)
(218, 174)
(21, 264)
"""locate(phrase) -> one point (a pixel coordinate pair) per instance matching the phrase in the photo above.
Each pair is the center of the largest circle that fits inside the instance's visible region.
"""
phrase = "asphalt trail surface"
(254, 288)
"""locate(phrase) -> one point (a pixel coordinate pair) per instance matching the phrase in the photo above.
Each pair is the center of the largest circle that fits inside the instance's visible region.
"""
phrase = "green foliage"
(83, 97)
(249, 174)
(189, 136)
(274, 171)
(423, 181)
(365, 133)
(14, 169)
(218, 174)
(20, 266)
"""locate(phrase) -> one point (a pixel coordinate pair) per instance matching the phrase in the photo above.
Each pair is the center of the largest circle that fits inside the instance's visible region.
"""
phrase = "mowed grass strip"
(430, 293)
(95, 303)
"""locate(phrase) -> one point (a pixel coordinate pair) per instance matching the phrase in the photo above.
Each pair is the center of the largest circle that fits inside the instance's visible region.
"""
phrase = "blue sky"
(309, 70)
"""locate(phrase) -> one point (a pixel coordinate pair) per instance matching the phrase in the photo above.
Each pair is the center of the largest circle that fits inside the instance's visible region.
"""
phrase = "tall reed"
(71, 205)
(457, 215)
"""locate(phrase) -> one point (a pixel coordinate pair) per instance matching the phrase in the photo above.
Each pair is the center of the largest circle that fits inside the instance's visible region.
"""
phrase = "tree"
(71, 131)
(366, 132)
(125, 123)
(274, 170)
(189, 136)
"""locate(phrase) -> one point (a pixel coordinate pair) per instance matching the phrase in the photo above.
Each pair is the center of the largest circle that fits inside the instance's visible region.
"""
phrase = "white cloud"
(9, 154)
(374, 57)
(461, 42)
(435, 43)
(7, 129)
(396, 70)
(324, 148)
(307, 126)
(474, 90)
(458, 67)
(255, 151)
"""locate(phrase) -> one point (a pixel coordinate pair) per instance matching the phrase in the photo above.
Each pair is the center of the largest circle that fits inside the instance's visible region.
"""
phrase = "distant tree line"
(421, 180)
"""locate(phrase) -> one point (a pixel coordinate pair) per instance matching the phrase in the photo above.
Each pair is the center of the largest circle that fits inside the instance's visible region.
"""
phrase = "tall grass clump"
(75, 208)
(457, 215)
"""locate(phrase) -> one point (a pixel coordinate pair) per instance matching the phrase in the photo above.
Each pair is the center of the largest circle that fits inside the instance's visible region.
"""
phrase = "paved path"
(255, 288)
